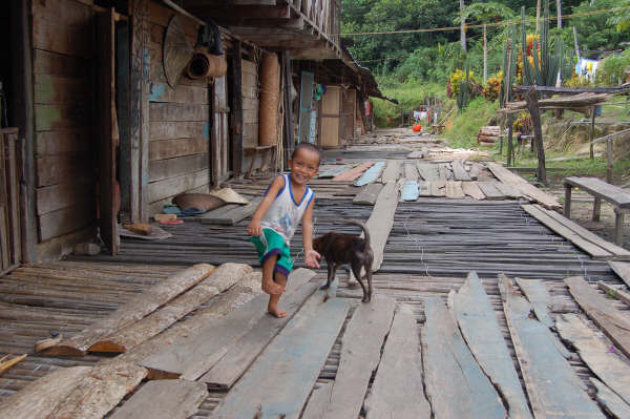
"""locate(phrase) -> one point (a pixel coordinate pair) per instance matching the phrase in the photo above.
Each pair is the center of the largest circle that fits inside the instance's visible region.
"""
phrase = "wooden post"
(532, 106)
(462, 26)
(288, 107)
(619, 216)
(567, 200)
(510, 145)
(237, 110)
(501, 137)
(591, 134)
(22, 102)
(139, 109)
(485, 55)
(609, 158)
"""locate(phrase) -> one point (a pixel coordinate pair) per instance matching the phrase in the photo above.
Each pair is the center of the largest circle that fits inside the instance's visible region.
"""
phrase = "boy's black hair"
(309, 147)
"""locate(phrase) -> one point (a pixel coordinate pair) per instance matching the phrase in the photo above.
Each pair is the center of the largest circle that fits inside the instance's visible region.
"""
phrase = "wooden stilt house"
(113, 107)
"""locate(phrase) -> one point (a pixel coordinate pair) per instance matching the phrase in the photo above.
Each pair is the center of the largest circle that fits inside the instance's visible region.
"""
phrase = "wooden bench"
(618, 197)
(255, 151)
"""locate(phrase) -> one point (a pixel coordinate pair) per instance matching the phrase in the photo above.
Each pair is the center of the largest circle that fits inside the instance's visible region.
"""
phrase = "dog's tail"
(363, 227)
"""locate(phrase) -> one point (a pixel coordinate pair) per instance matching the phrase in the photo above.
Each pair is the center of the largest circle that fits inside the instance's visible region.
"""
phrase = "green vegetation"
(465, 125)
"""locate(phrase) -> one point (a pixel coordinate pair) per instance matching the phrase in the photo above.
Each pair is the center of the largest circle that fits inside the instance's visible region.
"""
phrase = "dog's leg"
(368, 275)
(356, 269)
(331, 273)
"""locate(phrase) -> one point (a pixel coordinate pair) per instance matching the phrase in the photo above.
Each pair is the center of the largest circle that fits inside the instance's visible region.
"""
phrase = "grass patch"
(465, 125)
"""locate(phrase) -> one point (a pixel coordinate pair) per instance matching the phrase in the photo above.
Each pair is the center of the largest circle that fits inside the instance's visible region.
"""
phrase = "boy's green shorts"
(272, 243)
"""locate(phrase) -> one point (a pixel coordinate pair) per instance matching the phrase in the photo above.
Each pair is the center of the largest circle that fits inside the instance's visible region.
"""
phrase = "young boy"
(287, 201)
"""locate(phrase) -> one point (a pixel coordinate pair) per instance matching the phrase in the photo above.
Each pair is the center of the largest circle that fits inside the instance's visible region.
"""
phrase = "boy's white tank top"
(285, 213)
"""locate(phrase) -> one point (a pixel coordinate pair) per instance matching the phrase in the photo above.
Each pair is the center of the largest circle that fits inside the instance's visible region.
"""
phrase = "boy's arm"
(254, 228)
(311, 257)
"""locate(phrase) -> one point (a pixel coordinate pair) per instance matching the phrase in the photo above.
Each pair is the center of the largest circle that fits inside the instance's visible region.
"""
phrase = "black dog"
(339, 249)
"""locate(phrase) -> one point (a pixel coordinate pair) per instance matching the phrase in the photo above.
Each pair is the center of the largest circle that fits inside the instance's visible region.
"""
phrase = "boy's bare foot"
(279, 313)
(272, 288)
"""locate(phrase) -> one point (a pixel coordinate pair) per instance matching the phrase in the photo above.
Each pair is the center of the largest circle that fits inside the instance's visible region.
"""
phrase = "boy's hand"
(311, 258)
(254, 228)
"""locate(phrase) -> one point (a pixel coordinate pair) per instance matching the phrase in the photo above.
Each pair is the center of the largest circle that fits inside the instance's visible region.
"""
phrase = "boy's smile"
(304, 166)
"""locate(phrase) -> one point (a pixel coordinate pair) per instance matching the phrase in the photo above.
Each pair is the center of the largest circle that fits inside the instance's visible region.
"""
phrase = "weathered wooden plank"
(331, 171)
(595, 352)
(480, 328)
(56, 36)
(490, 190)
(589, 247)
(619, 252)
(168, 149)
(60, 117)
(137, 308)
(65, 220)
(471, 189)
(354, 173)
(131, 336)
(194, 354)
(610, 401)
(398, 390)
(381, 221)
(241, 293)
(612, 322)
(391, 172)
(368, 195)
(59, 65)
(52, 170)
(229, 214)
(370, 174)
(70, 142)
(318, 401)
(428, 171)
(445, 171)
(163, 169)
(455, 384)
(454, 190)
(37, 399)
(553, 388)
(508, 190)
(60, 90)
(288, 376)
(176, 399)
(175, 130)
(175, 112)
(171, 187)
(410, 171)
(526, 188)
(459, 171)
(360, 354)
(539, 298)
(100, 391)
(438, 187)
(614, 292)
(597, 187)
(424, 188)
(410, 190)
(233, 365)
(56, 197)
(181, 94)
(622, 269)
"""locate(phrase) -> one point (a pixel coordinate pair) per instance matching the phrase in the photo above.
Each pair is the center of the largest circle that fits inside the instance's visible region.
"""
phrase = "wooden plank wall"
(179, 122)
(250, 103)
(348, 105)
(62, 33)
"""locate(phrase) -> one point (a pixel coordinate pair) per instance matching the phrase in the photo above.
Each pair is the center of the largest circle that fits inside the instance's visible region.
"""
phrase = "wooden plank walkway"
(433, 244)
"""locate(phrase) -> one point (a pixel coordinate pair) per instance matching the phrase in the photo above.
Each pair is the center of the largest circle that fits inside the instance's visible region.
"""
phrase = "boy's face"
(304, 166)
